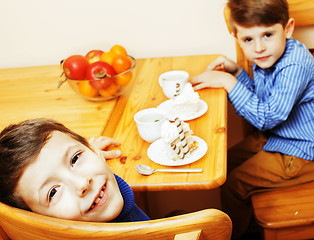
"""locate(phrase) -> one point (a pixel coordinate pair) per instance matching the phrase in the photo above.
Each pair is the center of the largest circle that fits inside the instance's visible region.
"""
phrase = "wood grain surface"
(146, 93)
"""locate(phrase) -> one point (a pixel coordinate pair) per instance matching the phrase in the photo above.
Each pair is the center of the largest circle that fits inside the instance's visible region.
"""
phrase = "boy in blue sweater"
(48, 169)
(279, 102)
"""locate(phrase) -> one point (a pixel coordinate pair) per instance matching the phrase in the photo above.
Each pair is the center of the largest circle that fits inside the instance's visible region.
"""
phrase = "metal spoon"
(146, 170)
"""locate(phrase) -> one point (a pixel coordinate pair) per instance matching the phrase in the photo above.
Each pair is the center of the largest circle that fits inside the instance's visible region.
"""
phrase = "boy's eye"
(268, 34)
(248, 39)
(52, 192)
(75, 158)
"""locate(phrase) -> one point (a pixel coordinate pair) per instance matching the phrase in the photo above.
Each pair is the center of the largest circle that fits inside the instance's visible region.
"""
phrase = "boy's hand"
(211, 78)
(225, 64)
(103, 143)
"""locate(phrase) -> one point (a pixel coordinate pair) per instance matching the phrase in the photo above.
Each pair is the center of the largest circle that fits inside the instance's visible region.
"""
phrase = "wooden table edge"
(179, 186)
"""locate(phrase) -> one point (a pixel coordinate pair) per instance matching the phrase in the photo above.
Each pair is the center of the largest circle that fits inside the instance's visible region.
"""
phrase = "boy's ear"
(290, 27)
(233, 34)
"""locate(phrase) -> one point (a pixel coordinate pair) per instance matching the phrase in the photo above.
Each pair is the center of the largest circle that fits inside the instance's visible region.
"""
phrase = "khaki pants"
(251, 170)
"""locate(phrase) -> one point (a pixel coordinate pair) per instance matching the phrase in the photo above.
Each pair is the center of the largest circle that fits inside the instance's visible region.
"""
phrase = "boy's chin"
(264, 65)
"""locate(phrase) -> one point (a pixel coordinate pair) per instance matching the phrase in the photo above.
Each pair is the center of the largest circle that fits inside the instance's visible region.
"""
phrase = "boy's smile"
(100, 199)
(264, 45)
(69, 180)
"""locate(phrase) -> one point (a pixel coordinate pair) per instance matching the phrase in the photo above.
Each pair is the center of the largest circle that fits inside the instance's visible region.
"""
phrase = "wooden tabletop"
(32, 92)
(146, 93)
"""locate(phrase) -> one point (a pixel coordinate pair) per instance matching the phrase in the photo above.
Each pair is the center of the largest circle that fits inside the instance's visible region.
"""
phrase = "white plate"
(167, 107)
(157, 153)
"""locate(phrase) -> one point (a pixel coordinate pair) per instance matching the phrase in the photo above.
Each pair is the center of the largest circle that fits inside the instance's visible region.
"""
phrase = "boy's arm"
(276, 102)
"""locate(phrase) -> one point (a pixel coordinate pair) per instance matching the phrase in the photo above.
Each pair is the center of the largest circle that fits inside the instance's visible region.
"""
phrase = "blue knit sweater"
(130, 211)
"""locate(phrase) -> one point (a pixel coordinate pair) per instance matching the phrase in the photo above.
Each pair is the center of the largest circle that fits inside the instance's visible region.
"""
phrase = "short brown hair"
(20, 144)
(250, 13)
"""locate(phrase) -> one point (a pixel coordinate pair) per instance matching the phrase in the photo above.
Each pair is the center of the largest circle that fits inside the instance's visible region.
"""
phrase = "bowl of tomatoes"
(99, 75)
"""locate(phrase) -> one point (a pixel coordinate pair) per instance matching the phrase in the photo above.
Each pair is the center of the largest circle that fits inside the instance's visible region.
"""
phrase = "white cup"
(168, 82)
(148, 122)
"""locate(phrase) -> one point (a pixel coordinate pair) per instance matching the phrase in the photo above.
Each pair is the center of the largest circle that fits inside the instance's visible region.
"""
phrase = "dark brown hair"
(249, 13)
(19, 145)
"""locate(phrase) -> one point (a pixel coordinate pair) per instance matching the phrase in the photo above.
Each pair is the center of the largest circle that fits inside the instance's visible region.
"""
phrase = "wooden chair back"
(18, 224)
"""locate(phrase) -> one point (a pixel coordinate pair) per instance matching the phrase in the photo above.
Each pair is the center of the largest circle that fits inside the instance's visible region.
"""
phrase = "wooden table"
(31, 92)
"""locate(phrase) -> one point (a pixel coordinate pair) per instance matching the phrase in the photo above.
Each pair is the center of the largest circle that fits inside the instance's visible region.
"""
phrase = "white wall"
(42, 32)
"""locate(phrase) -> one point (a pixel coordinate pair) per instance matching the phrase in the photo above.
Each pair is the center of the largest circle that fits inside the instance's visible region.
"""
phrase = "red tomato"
(94, 56)
(101, 73)
(75, 66)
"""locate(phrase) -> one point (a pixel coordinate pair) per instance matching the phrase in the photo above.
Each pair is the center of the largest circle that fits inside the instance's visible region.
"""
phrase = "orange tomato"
(118, 50)
(123, 79)
(121, 63)
(87, 90)
(109, 91)
(107, 57)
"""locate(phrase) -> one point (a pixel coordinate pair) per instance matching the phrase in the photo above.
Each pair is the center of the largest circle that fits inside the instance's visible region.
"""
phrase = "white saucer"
(167, 107)
(157, 153)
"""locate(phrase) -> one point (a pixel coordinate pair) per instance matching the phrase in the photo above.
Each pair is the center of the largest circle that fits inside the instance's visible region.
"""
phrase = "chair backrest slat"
(24, 225)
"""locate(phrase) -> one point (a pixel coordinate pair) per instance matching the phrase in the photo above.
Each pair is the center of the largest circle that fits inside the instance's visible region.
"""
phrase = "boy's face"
(263, 45)
(68, 180)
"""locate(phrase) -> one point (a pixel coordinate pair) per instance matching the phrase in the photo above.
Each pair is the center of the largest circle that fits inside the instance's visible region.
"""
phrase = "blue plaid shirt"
(281, 101)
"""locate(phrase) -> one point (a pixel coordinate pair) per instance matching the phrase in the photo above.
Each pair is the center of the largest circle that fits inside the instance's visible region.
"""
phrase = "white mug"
(148, 122)
(168, 82)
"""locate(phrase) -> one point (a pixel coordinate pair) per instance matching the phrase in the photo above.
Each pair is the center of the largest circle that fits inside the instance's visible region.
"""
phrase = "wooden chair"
(286, 213)
(19, 224)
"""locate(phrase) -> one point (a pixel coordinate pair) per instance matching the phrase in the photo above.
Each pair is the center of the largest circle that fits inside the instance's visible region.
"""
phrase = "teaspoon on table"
(146, 170)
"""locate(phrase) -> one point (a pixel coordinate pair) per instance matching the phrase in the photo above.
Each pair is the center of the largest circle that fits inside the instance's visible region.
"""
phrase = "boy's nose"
(83, 186)
(259, 46)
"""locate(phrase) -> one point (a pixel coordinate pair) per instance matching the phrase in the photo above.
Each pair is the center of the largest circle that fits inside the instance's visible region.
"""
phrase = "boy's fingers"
(193, 80)
(111, 154)
(217, 63)
(103, 142)
(199, 86)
